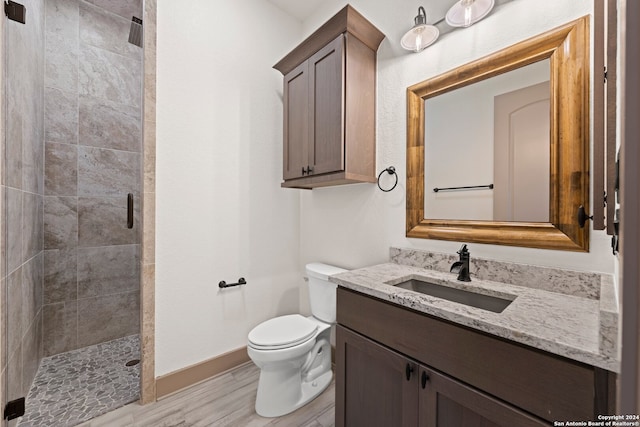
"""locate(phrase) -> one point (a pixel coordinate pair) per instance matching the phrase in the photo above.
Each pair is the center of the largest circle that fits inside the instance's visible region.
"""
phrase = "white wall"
(220, 211)
(353, 226)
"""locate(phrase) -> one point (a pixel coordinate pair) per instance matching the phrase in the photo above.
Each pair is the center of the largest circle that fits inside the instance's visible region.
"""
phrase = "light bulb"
(418, 42)
(468, 12)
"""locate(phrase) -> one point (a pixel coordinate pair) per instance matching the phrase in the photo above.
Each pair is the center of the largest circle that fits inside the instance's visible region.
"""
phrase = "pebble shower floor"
(73, 387)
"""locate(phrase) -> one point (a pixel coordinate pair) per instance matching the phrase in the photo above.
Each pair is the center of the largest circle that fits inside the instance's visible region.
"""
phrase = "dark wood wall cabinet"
(397, 367)
(330, 104)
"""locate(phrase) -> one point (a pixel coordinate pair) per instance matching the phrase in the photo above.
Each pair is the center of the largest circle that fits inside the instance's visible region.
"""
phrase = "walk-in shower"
(71, 191)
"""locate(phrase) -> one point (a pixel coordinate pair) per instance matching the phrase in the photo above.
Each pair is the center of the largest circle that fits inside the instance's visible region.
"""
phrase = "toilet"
(293, 352)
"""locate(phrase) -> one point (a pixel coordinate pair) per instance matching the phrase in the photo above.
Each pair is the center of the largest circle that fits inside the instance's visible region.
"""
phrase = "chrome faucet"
(462, 267)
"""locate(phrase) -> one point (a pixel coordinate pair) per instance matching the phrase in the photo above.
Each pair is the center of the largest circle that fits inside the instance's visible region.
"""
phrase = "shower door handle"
(130, 210)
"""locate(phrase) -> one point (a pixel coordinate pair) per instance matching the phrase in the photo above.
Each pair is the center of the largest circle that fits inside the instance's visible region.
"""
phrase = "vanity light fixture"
(467, 12)
(421, 35)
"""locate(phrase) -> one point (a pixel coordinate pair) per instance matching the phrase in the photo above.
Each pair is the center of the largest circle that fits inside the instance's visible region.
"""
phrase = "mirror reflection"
(494, 136)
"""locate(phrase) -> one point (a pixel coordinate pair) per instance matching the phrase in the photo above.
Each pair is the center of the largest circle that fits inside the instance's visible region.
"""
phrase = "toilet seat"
(282, 332)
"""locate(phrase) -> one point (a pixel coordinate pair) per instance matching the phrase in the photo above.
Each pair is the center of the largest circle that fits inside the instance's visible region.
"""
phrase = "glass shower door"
(71, 159)
(23, 196)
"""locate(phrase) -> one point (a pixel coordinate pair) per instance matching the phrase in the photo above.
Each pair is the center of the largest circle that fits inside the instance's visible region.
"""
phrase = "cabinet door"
(374, 385)
(445, 402)
(296, 122)
(326, 112)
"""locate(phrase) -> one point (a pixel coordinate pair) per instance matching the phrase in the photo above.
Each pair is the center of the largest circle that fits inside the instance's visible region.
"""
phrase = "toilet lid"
(282, 332)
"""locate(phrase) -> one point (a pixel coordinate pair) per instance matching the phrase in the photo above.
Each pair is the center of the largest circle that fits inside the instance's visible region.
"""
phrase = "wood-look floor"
(226, 400)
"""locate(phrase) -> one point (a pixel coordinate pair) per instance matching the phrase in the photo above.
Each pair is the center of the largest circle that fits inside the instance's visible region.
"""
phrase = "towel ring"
(391, 171)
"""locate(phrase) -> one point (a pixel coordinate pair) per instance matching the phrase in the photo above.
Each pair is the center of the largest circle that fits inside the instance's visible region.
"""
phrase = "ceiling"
(299, 9)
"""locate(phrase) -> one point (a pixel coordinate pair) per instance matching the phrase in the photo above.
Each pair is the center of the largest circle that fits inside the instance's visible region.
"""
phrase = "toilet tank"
(322, 293)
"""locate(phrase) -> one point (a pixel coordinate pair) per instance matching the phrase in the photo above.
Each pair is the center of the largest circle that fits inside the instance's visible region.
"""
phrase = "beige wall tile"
(149, 232)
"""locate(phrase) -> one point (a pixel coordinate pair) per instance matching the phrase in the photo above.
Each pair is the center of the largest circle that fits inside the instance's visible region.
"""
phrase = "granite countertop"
(577, 327)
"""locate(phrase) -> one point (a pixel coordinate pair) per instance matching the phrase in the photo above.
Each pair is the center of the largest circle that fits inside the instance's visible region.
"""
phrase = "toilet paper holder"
(223, 284)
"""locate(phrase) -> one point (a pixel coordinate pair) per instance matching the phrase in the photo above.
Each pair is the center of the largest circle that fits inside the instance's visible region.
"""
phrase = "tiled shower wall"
(23, 198)
(93, 87)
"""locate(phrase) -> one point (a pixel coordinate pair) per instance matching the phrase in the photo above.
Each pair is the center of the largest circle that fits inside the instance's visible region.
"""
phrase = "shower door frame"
(3, 297)
(147, 260)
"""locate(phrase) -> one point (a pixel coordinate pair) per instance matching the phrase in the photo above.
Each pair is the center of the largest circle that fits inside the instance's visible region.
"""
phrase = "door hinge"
(14, 409)
(15, 11)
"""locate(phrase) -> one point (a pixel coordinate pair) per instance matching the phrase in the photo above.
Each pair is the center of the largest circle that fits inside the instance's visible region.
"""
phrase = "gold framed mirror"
(567, 49)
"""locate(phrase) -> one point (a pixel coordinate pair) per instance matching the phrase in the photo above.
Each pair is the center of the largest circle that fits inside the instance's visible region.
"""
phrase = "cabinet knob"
(424, 379)
(304, 172)
(408, 370)
(309, 170)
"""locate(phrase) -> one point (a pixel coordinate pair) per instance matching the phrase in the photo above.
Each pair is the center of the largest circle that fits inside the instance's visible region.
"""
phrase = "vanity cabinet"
(329, 104)
(395, 366)
(384, 388)
(378, 386)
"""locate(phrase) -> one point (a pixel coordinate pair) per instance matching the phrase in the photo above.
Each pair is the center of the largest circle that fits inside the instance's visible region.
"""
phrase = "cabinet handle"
(304, 172)
(408, 370)
(309, 170)
(424, 379)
